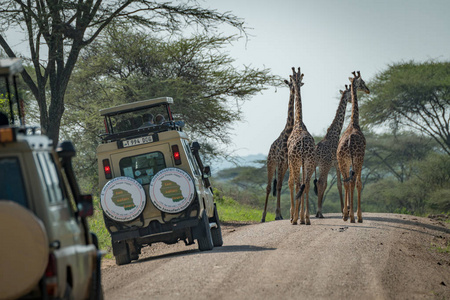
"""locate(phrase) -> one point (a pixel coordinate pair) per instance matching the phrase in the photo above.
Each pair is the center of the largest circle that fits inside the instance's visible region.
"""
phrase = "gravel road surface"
(388, 256)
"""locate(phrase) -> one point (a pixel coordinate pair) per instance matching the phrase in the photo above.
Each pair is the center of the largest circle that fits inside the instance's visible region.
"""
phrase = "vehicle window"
(139, 119)
(11, 181)
(46, 176)
(142, 167)
(55, 178)
(192, 161)
(49, 173)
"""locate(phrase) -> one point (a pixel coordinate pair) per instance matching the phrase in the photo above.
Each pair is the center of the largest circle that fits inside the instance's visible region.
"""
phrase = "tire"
(123, 259)
(216, 233)
(96, 284)
(134, 256)
(68, 293)
(205, 243)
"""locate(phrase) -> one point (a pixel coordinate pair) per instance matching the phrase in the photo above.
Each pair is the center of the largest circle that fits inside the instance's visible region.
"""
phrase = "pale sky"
(327, 39)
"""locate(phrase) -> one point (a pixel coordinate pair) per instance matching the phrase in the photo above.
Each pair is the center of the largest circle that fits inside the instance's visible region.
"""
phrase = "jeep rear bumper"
(155, 231)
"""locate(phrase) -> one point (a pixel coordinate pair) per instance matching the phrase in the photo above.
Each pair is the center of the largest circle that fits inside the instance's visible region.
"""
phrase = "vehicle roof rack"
(10, 66)
(123, 108)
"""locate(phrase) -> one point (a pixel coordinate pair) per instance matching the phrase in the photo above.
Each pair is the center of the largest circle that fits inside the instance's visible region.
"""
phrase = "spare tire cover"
(123, 199)
(172, 190)
(24, 251)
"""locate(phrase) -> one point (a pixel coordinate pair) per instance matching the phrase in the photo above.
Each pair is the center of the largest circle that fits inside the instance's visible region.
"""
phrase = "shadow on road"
(241, 248)
(394, 221)
(223, 249)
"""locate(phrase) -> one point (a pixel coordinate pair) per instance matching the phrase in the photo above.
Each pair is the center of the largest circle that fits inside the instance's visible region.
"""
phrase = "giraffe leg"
(322, 186)
(311, 166)
(270, 172)
(359, 188)
(298, 190)
(345, 169)
(299, 204)
(291, 188)
(339, 185)
(281, 172)
(301, 198)
(352, 190)
(306, 196)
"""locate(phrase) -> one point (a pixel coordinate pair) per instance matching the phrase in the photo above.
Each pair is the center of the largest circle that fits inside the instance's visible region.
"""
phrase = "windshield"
(11, 181)
(138, 119)
(142, 167)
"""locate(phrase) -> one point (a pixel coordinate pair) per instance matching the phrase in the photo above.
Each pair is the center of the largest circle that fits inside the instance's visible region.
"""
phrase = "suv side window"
(51, 177)
(11, 181)
(192, 161)
(142, 167)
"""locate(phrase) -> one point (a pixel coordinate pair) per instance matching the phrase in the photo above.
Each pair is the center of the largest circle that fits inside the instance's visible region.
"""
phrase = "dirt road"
(389, 256)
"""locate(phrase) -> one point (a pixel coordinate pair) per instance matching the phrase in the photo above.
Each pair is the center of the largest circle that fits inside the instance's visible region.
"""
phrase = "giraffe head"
(359, 83)
(346, 95)
(296, 78)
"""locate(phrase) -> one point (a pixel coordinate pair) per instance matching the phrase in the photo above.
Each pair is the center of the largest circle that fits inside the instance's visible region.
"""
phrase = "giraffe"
(301, 155)
(277, 160)
(350, 152)
(326, 151)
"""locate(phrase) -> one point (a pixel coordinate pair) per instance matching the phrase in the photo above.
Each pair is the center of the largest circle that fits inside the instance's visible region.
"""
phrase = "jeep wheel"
(216, 232)
(123, 259)
(205, 243)
(68, 293)
(134, 256)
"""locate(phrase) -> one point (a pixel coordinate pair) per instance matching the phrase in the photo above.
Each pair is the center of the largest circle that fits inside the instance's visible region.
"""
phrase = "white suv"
(154, 185)
(47, 249)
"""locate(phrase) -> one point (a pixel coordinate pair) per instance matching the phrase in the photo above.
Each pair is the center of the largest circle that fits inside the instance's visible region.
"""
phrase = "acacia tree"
(63, 28)
(126, 65)
(395, 155)
(412, 96)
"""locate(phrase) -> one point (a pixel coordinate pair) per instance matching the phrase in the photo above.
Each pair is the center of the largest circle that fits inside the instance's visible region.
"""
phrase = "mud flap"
(119, 248)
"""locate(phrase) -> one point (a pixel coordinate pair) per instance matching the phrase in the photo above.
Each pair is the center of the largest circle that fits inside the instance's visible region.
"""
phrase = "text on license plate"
(138, 141)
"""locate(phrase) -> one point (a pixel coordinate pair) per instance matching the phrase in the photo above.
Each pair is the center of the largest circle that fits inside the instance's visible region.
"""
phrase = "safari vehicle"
(47, 251)
(154, 185)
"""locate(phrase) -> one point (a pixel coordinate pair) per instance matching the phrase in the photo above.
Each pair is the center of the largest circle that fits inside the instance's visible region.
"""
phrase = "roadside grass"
(228, 209)
(440, 249)
(97, 226)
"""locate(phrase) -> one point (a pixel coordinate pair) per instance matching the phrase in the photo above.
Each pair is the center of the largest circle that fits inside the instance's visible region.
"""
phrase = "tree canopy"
(58, 30)
(411, 96)
(126, 65)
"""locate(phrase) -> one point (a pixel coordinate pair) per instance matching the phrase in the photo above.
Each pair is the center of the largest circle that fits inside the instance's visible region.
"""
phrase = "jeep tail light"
(107, 169)
(176, 155)
(51, 278)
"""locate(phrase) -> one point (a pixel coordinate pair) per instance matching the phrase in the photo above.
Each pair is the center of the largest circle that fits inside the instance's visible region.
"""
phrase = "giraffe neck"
(336, 126)
(298, 122)
(355, 110)
(290, 117)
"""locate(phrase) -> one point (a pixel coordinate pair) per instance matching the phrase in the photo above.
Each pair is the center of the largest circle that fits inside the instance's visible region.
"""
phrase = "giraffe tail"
(300, 192)
(316, 191)
(352, 173)
(275, 183)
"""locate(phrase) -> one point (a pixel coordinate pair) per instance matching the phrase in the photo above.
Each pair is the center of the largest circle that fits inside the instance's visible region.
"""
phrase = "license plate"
(137, 141)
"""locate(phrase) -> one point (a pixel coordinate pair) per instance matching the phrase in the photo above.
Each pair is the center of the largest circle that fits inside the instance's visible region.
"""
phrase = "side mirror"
(65, 149)
(206, 172)
(85, 206)
(195, 146)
